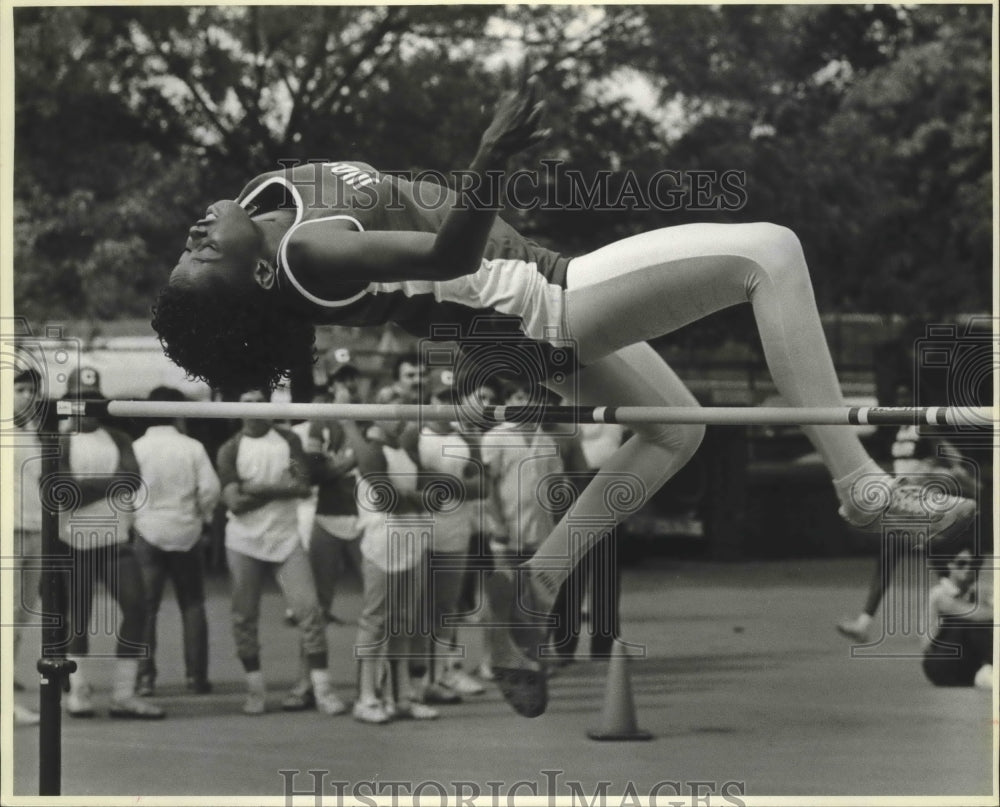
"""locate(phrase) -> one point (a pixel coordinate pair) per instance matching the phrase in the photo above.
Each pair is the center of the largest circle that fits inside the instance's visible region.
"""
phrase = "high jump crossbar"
(981, 417)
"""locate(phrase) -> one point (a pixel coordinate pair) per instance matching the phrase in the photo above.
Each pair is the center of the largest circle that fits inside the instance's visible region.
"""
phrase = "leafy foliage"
(864, 128)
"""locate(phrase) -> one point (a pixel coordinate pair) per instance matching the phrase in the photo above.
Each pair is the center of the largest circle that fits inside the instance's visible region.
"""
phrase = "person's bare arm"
(980, 609)
(326, 259)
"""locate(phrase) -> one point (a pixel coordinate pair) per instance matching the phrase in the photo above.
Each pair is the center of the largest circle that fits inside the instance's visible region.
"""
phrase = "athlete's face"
(225, 244)
(24, 397)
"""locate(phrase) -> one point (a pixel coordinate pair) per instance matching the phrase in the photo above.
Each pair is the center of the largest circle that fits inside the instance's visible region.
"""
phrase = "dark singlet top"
(515, 300)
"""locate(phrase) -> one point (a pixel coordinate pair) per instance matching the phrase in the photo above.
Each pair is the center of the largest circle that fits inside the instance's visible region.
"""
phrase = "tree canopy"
(866, 129)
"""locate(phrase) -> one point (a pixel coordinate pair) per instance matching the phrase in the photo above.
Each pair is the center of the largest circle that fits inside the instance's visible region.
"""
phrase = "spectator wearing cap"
(98, 466)
(26, 475)
(183, 491)
(263, 472)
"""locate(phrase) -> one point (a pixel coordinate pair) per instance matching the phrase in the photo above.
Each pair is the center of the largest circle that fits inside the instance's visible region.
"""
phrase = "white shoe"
(877, 497)
(410, 710)
(854, 629)
(984, 678)
(463, 683)
(373, 712)
(23, 716)
(135, 708)
(78, 702)
(255, 704)
(328, 703)
(437, 692)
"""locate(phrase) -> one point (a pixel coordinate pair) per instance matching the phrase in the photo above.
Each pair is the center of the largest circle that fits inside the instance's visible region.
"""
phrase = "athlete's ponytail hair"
(231, 339)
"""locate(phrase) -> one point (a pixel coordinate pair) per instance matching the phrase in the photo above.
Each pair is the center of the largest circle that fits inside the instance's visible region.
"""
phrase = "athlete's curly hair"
(232, 339)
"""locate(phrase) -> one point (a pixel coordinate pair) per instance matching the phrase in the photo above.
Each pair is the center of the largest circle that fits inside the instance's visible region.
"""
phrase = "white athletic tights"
(649, 285)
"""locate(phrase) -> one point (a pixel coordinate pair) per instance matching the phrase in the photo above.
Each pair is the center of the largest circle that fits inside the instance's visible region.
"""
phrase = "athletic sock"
(320, 680)
(255, 682)
(78, 681)
(126, 670)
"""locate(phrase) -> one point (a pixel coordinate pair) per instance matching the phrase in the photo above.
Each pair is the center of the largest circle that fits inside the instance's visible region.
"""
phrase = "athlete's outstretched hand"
(515, 125)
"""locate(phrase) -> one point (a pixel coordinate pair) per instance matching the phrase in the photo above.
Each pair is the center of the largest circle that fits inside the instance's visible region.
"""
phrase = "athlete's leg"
(634, 375)
(654, 283)
(651, 284)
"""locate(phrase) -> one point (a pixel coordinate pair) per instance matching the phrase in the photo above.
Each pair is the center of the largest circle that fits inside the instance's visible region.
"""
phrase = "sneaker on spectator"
(298, 700)
(857, 629)
(984, 677)
(328, 703)
(79, 704)
(254, 704)
(135, 708)
(23, 716)
(437, 692)
(371, 712)
(461, 682)
(409, 710)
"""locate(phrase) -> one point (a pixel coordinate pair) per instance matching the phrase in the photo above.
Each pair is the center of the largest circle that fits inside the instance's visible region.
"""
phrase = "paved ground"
(745, 682)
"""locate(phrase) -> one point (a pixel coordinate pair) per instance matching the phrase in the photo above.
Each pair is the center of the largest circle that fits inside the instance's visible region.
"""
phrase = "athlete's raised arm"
(334, 256)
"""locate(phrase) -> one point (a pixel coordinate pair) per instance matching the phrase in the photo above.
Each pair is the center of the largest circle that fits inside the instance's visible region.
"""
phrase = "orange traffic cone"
(618, 715)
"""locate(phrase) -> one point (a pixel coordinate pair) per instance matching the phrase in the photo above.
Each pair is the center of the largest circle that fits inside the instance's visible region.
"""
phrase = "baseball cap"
(441, 383)
(338, 361)
(83, 380)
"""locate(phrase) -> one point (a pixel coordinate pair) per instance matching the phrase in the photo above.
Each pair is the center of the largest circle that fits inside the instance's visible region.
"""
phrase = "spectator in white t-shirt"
(263, 474)
(183, 491)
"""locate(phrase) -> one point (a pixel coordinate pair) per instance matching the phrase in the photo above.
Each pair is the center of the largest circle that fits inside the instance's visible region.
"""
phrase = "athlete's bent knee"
(775, 237)
(778, 252)
(681, 440)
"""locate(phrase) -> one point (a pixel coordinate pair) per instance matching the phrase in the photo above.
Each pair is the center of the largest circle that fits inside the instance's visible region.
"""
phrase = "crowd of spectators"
(417, 512)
